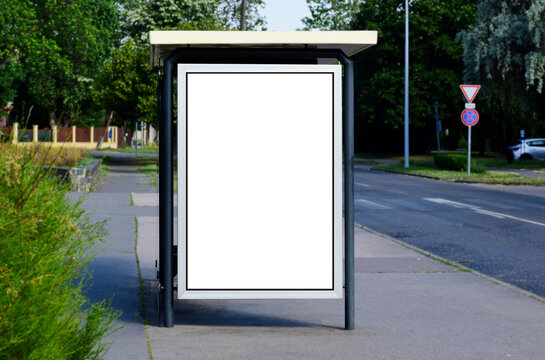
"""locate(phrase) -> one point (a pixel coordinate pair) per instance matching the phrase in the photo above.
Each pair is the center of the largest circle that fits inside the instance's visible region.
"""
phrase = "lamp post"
(406, 83)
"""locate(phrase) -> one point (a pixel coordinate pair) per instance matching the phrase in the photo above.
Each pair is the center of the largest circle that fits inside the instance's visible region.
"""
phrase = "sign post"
(438, 128)
(469, 117)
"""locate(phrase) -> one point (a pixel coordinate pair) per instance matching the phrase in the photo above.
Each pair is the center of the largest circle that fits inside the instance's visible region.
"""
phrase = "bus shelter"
(265, 142)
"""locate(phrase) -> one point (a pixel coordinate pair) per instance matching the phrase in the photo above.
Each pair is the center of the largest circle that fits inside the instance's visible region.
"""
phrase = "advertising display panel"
(259, 181)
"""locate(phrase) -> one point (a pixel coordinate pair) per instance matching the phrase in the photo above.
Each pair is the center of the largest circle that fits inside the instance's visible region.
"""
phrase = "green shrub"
(462, 143)
(46, 241)
(456, 162)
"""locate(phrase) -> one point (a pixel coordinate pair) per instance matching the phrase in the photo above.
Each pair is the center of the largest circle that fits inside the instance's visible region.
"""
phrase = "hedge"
(456, 162)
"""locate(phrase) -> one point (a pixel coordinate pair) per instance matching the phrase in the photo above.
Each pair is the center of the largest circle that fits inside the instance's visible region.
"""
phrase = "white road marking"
(374, 204)
(479, 210)
(492, 204)
(361, 184)
(396, 191)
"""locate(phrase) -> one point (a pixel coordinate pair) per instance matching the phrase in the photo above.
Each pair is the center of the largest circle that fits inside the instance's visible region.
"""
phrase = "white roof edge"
(350, 42)
(363, 37)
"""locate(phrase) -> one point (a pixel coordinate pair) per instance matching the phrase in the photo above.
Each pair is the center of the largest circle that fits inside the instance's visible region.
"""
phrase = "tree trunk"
(101, 139)
(52, 118)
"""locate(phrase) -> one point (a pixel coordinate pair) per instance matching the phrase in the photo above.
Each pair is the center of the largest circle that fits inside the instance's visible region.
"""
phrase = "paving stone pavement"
(408, 305)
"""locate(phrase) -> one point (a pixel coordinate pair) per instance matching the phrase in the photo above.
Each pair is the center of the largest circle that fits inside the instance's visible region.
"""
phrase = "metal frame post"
(166, 213)
(348, 114)
(166, 206)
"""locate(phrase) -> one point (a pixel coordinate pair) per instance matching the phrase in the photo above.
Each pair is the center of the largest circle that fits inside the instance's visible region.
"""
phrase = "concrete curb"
(455, 265)
(407, 174)
(82, 179)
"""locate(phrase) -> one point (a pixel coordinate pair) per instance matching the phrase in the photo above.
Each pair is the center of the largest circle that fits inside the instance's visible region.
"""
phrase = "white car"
(527, 149)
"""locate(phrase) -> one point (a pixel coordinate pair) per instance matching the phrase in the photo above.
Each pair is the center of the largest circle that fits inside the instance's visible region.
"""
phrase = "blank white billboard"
(259, 181)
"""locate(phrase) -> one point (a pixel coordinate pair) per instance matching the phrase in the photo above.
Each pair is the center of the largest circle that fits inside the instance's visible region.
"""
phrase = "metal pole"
(143, 137)
(166, 196)
(406, 83)
(469, 151)
(437, 128)
(243, 16)
(136, 132)
(348, 114)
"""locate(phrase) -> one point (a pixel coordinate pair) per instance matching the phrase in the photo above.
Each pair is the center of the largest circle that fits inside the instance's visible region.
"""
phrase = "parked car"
(526, 149)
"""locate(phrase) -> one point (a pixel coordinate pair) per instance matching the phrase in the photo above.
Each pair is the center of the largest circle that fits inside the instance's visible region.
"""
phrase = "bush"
(456, 162)
(46, 242)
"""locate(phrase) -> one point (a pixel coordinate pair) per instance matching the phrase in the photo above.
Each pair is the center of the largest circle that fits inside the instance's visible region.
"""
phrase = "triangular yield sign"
(470, 91)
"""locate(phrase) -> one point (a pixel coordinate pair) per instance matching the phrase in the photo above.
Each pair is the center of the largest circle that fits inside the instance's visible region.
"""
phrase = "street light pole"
(406, 83)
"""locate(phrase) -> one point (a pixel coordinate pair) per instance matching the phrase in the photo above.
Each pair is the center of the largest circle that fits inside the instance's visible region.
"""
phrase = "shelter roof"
(163, 43)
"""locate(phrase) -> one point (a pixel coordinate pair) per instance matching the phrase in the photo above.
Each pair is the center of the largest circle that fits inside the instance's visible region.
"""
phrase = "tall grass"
(46, 242)
(45, 154)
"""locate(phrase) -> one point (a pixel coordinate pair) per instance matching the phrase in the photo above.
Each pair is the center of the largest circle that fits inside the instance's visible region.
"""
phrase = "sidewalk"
(408, 306)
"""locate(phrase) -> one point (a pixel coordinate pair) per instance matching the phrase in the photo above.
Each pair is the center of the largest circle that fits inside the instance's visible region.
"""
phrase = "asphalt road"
(496, 230)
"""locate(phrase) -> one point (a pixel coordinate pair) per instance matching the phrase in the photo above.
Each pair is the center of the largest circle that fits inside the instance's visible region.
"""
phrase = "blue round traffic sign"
(470, 117)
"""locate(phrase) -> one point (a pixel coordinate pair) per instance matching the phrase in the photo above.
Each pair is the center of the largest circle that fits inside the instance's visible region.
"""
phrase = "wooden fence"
(72, 136)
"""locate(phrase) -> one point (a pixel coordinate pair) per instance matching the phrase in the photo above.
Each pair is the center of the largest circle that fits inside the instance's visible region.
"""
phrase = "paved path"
(114, 270)
(408, 306)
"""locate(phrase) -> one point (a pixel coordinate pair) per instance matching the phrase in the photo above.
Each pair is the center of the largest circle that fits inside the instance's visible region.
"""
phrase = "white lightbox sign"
(259, 181)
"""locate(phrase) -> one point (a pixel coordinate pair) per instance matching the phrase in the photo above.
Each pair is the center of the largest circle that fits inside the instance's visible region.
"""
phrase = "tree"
(330, 14)
(128, 86)
(147, 15)
(15, 20)
(435, 70)
(59, 46)
(505, 53)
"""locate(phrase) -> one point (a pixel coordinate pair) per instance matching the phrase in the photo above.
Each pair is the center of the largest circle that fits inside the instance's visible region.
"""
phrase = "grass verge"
(486, 161)
(146, 150)
(149, 167)
(141, 290)
(359, 160)
(428, 169)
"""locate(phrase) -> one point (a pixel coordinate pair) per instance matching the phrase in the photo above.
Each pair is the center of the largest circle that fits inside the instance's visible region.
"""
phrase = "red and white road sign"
(470, 117)
(470, 91)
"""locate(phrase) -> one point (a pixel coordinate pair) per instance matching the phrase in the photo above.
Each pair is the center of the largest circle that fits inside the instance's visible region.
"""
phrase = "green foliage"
(10, 73)
(229, 12)
(504, 52)
(59, 46)
(147, 15)
(435, 61)
(435, 67)
(128, 85)
(456, 162)
(330, 14)
(462, 143)
(46, 242)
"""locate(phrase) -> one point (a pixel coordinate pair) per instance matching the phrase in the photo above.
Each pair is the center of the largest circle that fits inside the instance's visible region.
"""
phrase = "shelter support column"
(166, 196)
(348, 131)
